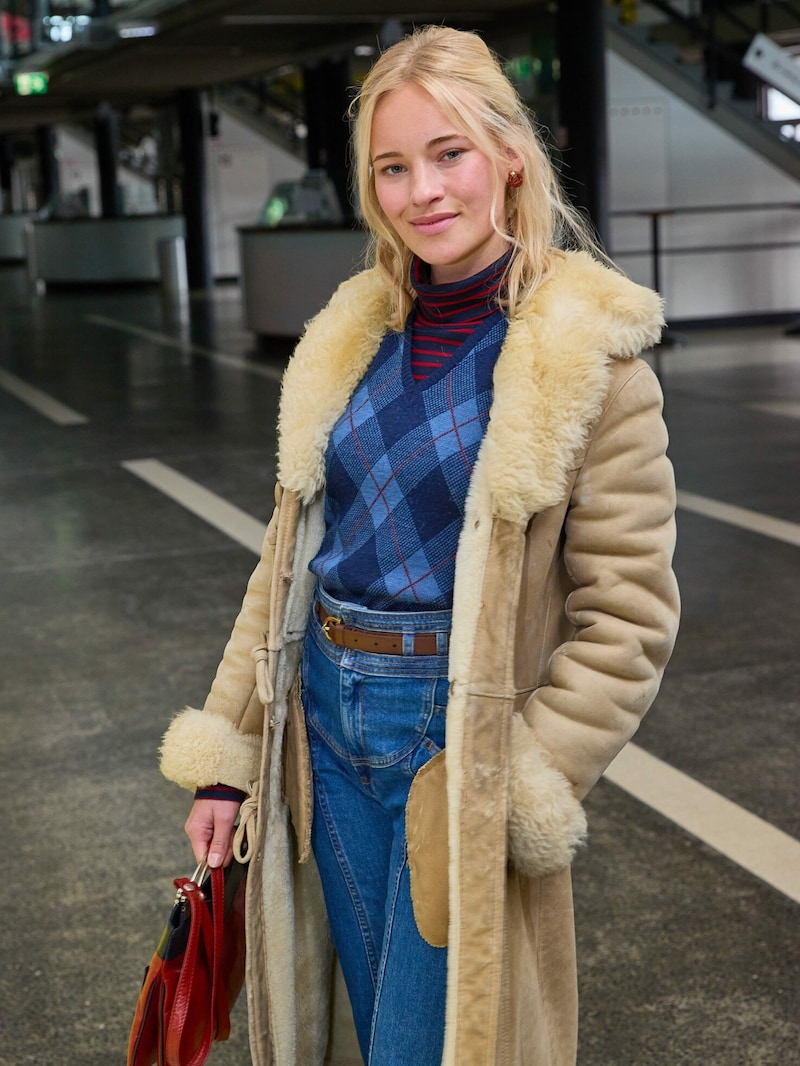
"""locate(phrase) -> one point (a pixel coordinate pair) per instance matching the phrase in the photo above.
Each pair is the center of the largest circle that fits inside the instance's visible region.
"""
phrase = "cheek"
(482, 189)
(388, 199)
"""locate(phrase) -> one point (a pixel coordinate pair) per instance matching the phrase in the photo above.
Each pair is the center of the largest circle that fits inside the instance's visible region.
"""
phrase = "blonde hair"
(466, 80)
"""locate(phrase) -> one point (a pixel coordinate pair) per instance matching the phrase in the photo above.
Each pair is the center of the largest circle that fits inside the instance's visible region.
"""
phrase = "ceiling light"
(128, 30)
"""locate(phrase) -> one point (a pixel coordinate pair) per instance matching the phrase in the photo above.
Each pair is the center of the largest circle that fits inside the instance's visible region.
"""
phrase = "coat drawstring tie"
(245, 836)
(263, 654)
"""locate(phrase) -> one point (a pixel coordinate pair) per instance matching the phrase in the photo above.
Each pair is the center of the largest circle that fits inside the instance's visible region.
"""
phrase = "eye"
(452, 154)
(392, 168)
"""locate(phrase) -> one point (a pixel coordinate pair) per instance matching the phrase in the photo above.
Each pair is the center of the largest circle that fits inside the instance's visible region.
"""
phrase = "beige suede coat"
(565, 613)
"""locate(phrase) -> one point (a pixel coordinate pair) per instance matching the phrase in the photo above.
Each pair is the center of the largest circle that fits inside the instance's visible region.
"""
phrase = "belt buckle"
(328, 621)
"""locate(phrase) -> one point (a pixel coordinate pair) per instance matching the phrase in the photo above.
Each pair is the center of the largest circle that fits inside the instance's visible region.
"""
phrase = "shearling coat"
(565, 612)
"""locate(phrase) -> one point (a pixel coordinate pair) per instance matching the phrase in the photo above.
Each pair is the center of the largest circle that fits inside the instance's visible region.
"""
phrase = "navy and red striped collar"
(467, 301)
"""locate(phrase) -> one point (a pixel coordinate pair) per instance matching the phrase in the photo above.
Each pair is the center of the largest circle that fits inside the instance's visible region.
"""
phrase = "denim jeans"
(373, 721)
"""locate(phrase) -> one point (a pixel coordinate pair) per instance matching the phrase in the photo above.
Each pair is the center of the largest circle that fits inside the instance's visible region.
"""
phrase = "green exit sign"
(31, 83)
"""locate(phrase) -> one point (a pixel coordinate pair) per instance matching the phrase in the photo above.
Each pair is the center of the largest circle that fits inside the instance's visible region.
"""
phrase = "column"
(6, 167)
(583, 108)
(325, 88)
(195, 211)
(48, 165)
(106, 136)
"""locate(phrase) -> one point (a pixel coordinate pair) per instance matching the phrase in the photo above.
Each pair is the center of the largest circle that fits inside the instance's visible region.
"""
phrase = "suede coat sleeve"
(624, 605)
(223, 741)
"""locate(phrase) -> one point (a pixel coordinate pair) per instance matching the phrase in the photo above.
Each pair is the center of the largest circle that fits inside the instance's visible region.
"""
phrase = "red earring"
(514, 178)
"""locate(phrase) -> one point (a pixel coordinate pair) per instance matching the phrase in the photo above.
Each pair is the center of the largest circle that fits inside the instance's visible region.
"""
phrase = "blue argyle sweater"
(398, 466)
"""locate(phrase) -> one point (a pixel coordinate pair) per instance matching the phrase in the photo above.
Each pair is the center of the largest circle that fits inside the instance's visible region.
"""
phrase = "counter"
(92, 250)
(289, 274)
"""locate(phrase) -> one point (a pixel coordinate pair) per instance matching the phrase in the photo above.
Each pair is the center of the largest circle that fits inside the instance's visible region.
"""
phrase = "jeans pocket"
(432, 739)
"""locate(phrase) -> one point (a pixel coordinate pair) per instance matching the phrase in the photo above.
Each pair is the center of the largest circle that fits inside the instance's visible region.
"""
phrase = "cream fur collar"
(549, 383)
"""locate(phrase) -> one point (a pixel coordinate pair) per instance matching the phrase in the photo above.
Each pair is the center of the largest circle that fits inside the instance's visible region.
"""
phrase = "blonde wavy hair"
(466, 80)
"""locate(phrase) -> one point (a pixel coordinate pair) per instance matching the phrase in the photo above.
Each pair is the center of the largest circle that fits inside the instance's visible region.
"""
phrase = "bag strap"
(201, 935)
(220, 1010)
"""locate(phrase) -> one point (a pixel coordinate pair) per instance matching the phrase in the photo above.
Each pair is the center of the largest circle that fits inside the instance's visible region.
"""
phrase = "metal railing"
(655, 251)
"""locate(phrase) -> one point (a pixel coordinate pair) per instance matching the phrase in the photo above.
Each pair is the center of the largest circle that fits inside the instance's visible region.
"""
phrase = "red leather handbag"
(195, 974)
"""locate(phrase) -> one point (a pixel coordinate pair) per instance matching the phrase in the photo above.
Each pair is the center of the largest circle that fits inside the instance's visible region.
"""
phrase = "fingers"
(210, 830)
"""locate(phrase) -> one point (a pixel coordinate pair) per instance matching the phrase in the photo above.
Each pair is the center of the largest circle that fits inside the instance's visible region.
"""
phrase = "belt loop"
(408, 642)
(441, 642)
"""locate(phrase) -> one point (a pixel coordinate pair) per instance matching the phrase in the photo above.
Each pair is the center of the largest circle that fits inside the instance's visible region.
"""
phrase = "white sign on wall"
(774, 65)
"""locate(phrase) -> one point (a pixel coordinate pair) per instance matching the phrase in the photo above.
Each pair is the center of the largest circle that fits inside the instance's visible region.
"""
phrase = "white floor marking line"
(777, 528)
(40, 401)
(785, 408)
(230, 520)
(749, 841)
(163, 339)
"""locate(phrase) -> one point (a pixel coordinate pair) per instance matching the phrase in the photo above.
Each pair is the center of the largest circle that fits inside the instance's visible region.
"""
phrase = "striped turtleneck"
(444, 316)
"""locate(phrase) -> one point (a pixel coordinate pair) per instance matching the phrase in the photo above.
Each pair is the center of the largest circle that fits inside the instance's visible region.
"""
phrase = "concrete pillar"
(325, 89)
(195, 211)
(6, 167)
(48, 165)
(106, 136)
(583, 107)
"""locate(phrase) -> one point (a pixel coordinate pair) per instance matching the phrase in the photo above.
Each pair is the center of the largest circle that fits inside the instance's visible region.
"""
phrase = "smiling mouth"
(433, 223)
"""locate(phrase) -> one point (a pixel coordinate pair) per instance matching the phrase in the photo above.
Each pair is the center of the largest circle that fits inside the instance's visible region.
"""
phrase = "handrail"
(656, 251)
(772, 205)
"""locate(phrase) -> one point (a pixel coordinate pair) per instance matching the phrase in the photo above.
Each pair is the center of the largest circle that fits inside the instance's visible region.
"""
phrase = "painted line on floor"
(770, 854)
(777, 528)
(40, 401)
(165, 341)
(224, 516)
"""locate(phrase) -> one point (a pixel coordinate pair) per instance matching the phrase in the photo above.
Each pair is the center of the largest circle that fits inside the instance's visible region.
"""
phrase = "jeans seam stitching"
(387, 936)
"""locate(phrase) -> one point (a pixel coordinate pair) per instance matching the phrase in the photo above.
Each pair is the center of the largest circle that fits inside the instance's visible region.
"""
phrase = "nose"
(426, 185)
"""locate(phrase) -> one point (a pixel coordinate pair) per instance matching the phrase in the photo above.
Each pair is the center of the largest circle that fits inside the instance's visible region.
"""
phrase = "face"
(434, 186)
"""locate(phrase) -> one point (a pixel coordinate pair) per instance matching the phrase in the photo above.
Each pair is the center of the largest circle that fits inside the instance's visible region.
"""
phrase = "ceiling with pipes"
(141, 52)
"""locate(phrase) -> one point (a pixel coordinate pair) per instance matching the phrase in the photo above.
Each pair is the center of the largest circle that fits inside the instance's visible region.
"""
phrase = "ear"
(510, 161)
(515, 162)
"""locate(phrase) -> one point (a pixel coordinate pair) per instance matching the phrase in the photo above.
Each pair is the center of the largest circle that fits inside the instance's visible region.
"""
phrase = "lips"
(432, 224)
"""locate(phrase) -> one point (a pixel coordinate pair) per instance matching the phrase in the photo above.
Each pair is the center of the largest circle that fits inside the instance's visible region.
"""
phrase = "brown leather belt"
(382, 643)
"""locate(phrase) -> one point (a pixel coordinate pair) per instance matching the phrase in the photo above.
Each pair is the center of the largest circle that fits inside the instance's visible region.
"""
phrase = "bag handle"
(207, 930)
(220, 1011)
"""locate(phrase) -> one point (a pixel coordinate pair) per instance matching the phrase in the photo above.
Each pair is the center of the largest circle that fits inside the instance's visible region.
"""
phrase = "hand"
(210, 829)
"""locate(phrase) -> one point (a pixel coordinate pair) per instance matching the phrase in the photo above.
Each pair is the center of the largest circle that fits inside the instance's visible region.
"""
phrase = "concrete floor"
(116, 602)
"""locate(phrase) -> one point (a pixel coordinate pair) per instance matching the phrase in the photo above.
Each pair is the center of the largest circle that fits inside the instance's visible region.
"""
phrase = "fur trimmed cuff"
(200, 748)
(546, 823)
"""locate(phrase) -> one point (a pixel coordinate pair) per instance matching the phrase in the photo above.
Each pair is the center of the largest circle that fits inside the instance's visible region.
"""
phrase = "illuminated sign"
(31, 83)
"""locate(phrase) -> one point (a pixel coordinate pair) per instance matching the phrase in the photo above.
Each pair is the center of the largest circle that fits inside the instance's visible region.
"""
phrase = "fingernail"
(215, 858)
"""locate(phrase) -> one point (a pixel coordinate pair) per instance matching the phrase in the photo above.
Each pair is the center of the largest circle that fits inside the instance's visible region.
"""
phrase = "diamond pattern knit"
(398, 467)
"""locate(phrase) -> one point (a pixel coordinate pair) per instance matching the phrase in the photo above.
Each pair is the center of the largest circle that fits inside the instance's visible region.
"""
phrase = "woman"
(464, 603)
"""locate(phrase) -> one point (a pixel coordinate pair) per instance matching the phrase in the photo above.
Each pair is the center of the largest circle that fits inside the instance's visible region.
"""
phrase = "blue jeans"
(373, 721)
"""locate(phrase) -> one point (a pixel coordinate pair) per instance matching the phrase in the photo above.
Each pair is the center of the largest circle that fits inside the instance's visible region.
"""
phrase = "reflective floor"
(119, 587)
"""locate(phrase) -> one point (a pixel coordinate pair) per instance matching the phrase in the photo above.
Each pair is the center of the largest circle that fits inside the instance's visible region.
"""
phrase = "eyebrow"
(430, 144)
